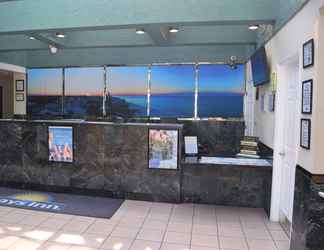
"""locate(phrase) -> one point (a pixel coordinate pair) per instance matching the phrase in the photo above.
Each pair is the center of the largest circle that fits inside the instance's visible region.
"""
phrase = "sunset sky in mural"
(128, 81)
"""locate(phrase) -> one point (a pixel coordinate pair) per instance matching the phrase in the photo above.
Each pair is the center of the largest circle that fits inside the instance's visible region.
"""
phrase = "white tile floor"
(141, 225)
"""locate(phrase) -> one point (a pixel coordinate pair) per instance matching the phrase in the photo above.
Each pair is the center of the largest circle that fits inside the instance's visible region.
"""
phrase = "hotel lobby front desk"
(109, 159)
(112, 159)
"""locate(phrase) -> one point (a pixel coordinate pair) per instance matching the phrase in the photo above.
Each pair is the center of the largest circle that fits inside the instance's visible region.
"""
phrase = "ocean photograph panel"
(163, 149)
(45, 89)
(84, 89)
(220, 91)
(127, 91)
(172, 91)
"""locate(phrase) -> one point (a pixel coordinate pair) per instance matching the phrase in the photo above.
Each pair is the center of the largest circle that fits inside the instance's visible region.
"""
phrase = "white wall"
(19, 106)
(286, 44)
(19, 73)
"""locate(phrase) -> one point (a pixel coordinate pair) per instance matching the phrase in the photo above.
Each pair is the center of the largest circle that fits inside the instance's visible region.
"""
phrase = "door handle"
(321, 194)
(282, 153)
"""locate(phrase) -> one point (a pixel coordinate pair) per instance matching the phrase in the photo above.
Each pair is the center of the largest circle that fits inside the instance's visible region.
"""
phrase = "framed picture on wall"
(20, 85)
(308, 54)
(20, 97)
(305, 133)
(60, 144)
(271, 102)
(307, 97)
(163, 149)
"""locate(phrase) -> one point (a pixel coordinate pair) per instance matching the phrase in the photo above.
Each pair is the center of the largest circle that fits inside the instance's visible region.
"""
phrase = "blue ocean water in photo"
(172, 105)
(220, 105)
(182, 105)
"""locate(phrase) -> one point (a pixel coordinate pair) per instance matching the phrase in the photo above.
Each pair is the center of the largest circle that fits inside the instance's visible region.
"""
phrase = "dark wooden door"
(1, 102)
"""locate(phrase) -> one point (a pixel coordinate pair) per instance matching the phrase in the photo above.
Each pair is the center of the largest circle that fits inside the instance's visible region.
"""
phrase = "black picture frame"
(305, 144)
(73, 145)
(309, 53)
(257, 93)
(307, 95)
(20, 97)
(178, 150)
(20, 85)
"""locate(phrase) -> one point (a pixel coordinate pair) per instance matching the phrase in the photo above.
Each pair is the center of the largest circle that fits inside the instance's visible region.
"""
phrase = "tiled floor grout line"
(245, 236)
(192, 225)
(218, 236)
(166, 229)
(140, 229)
(269, 231)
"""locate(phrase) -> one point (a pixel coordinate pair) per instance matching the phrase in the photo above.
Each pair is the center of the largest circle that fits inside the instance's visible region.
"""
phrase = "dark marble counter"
(227, 184)
(308, 214)
(80, 121)
(108, 158)
(226, 161)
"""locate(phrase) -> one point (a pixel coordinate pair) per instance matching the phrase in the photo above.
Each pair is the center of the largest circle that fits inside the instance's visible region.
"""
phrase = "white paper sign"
(191, 145)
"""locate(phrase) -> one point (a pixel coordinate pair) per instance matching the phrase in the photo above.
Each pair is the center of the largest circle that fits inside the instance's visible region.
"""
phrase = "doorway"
(289, 104)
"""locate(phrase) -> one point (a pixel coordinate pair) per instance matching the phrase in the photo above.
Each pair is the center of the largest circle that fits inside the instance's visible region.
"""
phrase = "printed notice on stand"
(191, 145)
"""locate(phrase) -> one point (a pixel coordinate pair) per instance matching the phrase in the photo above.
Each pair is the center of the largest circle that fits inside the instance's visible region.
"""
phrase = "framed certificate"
(308, 54)
(307, 97)
(20, 97)
(20, 85)
(305, 133)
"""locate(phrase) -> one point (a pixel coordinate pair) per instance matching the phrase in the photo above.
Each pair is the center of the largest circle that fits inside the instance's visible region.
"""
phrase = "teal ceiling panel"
(43, 15)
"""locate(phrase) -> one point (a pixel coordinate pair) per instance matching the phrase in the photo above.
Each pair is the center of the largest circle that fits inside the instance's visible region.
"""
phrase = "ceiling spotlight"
(59, 34)
(254, 27)
(32, 38)
(53, 49)
(173, 30)
(233, 62)
(140, 31)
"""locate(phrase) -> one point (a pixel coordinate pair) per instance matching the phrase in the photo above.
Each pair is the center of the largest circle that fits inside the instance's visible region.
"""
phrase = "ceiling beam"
(48, 40)
(188, 36)
(61, 15)
(126, 56)
(160, 35)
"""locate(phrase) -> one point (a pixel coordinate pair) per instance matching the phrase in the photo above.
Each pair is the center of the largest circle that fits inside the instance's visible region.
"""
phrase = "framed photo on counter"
(305, 133)
(307, 97)
(308, 54)
(163, 149)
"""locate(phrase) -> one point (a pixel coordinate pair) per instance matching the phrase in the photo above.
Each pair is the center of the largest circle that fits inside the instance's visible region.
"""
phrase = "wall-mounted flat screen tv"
(260, 68)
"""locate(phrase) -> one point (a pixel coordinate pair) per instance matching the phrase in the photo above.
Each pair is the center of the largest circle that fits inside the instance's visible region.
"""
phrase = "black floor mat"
(63, 203)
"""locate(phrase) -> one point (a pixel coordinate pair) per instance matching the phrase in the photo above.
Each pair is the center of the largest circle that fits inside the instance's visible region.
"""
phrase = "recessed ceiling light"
(140, 31)
(173, 30)
(59, 34)
(254, 27)
(32, 38)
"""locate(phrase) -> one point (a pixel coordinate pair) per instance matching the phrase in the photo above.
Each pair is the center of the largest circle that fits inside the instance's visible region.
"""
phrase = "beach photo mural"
(127, 91)
(220, 91)
(173, 91)
(84, 89)
(60, 144)
(163, 149)
(45, 90)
